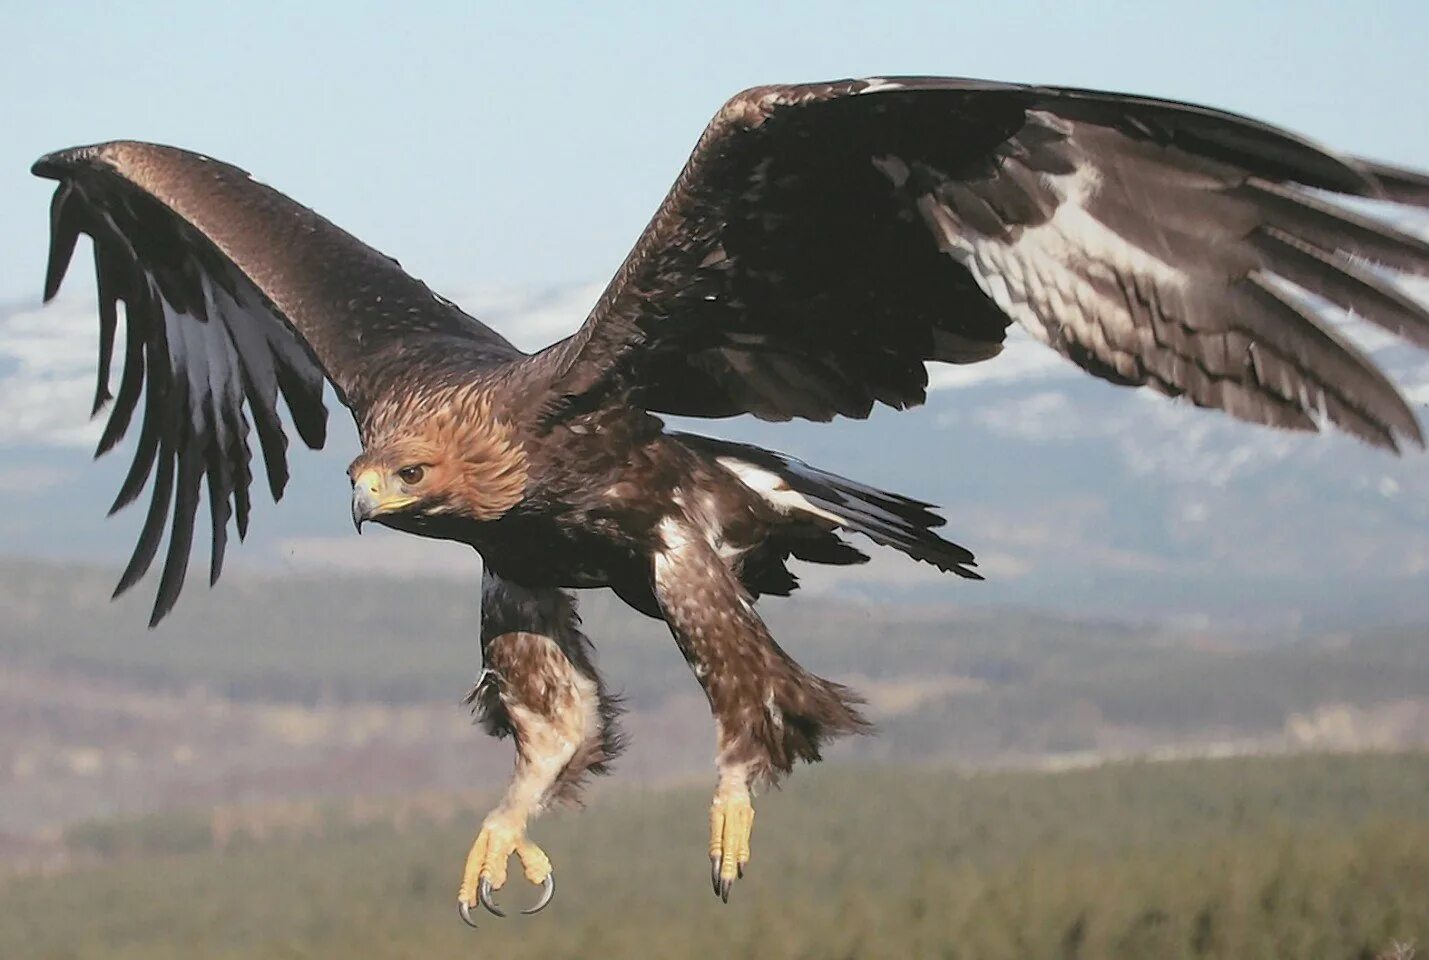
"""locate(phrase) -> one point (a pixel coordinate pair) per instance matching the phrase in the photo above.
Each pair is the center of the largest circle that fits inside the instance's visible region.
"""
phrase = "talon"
(464, 909)
(484, 895)
(731, 822)
(548, 890)
(486, 866)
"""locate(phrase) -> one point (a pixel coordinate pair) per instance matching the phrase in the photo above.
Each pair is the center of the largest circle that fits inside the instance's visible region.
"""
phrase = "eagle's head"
(439, 460)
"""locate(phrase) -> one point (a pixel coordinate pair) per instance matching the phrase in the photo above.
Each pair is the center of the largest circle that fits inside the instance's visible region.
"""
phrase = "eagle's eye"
(412, 475)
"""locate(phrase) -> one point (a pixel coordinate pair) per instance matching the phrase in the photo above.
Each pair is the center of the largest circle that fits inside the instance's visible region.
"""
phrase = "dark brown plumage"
(821, 245)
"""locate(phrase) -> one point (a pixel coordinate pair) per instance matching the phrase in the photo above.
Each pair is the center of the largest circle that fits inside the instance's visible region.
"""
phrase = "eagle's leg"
(769, 711)
(540, 687)
(731, 826)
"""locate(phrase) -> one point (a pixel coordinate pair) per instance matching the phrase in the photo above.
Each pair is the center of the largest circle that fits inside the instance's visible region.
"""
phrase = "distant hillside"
(339, 638)
(276, 688)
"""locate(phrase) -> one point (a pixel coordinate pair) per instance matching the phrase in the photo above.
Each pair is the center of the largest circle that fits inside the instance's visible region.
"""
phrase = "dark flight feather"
(886, 518)
(823, 240)
(1409, 187)
(105, 275)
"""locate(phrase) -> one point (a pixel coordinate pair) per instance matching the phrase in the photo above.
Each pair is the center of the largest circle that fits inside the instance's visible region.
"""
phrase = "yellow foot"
(486, 867)
(731, 823)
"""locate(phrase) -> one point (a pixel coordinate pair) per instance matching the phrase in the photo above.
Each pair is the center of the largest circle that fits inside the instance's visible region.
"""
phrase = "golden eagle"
(821, 245)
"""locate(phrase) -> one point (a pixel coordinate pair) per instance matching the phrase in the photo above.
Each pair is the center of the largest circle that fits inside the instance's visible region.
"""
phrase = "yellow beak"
(372, 496)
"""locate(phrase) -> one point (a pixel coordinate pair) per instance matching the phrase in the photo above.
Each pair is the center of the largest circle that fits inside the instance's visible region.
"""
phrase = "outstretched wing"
(823, 241)
(233, 295)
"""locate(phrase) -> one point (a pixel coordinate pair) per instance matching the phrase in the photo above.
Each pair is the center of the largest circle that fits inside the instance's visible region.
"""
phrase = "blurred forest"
(1306, 858)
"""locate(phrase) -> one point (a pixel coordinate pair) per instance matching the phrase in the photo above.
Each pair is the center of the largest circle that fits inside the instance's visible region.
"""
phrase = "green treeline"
(1305, 858)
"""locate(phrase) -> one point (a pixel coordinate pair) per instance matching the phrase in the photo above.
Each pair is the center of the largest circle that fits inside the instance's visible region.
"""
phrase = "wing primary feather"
(153, 528)
(105, 273)
(272, 440)
(200, 352)
(131, 381)
(219, 511)
(1409, 187)
(64, 233)
(181, 532)
(1332, 227)
(260, 386)
(144, 453)
(304, 399)
(1341, 280)
(220, 447)
(242, 505)
(239, 457)
(1362, 400)
(228, 451)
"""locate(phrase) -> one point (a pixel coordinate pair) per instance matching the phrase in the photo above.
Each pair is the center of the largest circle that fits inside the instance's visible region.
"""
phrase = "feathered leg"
(540, 687)
(768, 710)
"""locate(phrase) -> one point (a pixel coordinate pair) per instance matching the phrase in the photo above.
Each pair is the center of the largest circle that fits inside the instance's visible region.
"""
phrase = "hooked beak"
(371, 498)
(364, 506)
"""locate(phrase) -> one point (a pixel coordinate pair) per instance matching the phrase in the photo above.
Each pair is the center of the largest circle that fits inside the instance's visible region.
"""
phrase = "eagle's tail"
(801, 492)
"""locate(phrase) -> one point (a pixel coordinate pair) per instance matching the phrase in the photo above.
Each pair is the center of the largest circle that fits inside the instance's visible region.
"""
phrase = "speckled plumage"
(539, 679)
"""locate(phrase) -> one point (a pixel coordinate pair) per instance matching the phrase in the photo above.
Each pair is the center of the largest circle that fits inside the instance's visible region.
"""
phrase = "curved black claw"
(464, 908)
(483, 893)
(722, 887)
(548, 890)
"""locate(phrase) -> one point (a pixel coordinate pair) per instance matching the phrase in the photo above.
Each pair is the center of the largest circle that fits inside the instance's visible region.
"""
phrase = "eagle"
(823, 243)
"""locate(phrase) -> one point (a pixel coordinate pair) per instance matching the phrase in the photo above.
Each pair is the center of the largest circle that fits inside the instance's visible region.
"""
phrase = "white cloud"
(1039, 417)
(1152, 435)
(47, 368)
(1178, 442)
(533, 318)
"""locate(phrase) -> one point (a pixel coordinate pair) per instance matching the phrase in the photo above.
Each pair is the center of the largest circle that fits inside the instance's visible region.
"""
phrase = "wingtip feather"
(64, 234)
(1399, 184)
(162, 609)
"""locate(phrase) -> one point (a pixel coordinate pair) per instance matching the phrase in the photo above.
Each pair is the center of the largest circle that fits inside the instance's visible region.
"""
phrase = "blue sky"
(508, 144)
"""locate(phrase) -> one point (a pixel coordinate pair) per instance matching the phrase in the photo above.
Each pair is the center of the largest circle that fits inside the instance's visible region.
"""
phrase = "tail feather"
(794, 488)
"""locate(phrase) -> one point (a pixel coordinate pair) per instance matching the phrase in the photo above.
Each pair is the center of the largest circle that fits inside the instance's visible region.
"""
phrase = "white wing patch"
(1067, 276)
(879, 84)
(674, 534)
(775, 490)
